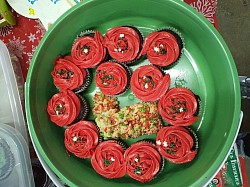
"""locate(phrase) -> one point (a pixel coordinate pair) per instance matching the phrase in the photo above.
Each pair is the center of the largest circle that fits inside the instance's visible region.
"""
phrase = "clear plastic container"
(11, 86)
(15, 166)
(13, 130)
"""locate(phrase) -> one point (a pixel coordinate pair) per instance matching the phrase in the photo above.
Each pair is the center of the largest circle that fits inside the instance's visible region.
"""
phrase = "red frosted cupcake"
(148, 83)
(176, 144)
(81, 139)
(112, 78)
(66, 107)
(66, 75)
(123, 43)
(179, 107)
(162, 48)
(143, 161)
(88, 51)
(108, 159)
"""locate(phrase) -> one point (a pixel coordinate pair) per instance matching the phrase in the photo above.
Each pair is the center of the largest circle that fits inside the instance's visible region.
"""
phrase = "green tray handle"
(8, 18)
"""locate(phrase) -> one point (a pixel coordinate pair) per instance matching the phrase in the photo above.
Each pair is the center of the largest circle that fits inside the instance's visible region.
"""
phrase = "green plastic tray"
(206, 67)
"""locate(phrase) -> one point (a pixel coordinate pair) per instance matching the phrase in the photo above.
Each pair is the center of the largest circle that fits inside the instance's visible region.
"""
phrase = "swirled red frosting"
(161, 48)
(123, 43)
(108, 160)
(148, 83)
(178, 107)
(143, 161)
(87, 51)
(111, 78)
(66, 75)
(64, 107)
(81, 139)
(176, 144)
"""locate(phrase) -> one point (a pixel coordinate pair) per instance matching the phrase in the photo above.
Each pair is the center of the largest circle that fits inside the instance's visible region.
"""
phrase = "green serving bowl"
(206, 67)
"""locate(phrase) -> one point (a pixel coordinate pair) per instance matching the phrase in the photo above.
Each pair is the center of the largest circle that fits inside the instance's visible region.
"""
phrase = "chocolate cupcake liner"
(84, 112)
(120, 142)
(86, 82)
(195, 138)
(8, 160)
(199, 105)
(100, 139)
(84, 33)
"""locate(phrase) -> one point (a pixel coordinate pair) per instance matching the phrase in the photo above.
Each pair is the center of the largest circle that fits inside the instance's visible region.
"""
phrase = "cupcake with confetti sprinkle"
(108, 159)
(88, 50)
(66, 75)
(66, 107)
(163, 47)
(112, 78)
(143, 161)
(123, 43)
(149, 83)
(82, 138)
(177, 144)
(179, 107)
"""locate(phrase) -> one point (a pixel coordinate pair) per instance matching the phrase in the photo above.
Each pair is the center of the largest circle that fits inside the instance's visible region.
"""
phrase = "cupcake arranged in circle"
(162, 47)
(88, 51)
(148, 83)
(108, 159)
(179, 107)
(176, 144)
(123, 43)
(65, 108)
(100, 141)
(143, 161)
(81, 139)
(112, 78)
(66, 75)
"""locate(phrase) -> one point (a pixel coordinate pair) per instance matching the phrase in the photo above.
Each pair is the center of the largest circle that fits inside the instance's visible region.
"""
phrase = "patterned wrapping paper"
(207, 8)
(23, 38)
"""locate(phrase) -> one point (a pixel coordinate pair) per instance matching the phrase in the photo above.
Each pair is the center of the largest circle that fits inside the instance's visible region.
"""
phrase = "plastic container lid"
(11, 109)
(15, 166)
